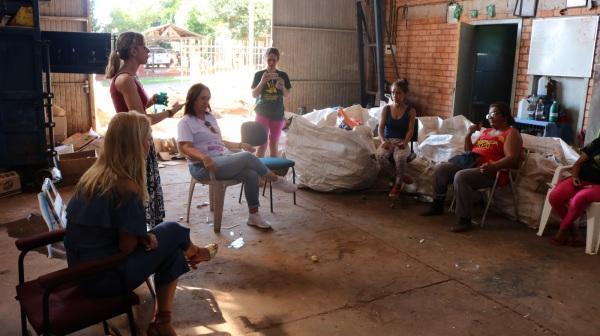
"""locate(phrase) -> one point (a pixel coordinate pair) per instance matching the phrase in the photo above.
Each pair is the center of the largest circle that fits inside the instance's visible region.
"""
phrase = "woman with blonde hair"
(128, 94)
(106, 217)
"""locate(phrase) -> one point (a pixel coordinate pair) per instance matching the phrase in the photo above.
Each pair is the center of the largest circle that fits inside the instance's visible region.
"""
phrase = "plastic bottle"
(531, 111)
(553, 115)
(539, 110)
(542, 87)
(523, 105)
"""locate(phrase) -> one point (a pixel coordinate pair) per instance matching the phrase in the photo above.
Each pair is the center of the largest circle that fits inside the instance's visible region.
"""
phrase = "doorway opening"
(486, 70)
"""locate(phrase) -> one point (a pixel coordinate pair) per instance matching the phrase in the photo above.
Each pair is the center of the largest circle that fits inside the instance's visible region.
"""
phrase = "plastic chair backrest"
(57, 205)
(46, 210)
(526, 153)
(253, 133)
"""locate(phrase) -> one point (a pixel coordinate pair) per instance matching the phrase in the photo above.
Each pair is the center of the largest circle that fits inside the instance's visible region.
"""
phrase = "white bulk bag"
(330, 158)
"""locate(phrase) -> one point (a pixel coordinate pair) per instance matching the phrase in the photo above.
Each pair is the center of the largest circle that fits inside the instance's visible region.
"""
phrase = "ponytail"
(125, 42)
(113, 66)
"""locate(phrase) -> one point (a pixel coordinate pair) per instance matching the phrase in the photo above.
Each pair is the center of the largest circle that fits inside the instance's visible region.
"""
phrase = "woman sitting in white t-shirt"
(199, 138)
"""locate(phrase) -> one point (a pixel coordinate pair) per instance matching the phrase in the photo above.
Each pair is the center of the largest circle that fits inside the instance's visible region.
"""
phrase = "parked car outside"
(159, 56)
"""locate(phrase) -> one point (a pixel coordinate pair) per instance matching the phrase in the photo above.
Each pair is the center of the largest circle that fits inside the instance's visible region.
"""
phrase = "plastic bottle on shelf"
(539, 110)
(553, 115)
(542, 87)
(522, 112)
(531, 111)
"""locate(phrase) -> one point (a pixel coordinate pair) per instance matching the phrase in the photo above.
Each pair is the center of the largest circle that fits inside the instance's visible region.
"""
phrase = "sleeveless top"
(118, 99)
(396, 128)
(491, 149)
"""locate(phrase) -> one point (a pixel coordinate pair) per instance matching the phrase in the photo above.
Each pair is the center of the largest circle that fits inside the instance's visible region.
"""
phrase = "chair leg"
(265, 187)
(150, 287)
(191, 193)
(241, 191)
(593, 230)
(218, 198)
(106, 329)
(545, 214)
(23, 324)
(294, 181)
(515, 197)
(489, 202)
(271, 195)
(132, 327)
(211, 197)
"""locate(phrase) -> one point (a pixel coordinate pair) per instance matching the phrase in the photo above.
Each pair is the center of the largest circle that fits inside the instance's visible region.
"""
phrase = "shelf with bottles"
(544, 129)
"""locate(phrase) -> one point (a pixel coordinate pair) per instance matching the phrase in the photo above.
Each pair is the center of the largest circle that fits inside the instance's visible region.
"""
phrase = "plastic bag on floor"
(328, 158)
(458, 126)
(427, 126)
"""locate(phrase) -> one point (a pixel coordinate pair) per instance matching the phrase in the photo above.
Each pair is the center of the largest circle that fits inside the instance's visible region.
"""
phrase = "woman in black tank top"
(395, 131)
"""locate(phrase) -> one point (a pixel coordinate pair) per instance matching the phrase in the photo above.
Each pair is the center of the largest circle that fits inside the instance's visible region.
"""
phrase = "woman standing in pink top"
(128, 94)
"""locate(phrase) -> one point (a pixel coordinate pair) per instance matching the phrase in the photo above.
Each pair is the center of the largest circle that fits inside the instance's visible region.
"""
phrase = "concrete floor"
(380, 271)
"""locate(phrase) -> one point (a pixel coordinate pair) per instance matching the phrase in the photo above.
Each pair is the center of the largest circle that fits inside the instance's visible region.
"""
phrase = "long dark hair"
(192, 94)
(402, 84)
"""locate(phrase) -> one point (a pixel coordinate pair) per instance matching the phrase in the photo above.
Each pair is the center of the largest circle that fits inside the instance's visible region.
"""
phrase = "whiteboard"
(563, 46)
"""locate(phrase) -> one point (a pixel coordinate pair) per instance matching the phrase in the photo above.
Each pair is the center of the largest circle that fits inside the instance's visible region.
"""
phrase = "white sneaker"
(254, 219)
(284, 185)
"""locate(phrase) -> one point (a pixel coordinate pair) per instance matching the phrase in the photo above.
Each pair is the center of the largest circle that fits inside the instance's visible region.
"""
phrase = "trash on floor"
(237, 244)
(468, 266)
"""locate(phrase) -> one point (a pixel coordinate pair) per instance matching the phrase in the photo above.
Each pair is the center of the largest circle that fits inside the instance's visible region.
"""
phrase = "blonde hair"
(125, 42)
(122, 158)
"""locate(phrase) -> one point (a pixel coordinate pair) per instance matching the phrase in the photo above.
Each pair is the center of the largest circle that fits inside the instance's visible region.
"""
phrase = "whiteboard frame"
(534, 69)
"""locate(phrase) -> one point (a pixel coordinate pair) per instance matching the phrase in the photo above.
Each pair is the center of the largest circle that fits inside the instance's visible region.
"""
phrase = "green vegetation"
(205, 17)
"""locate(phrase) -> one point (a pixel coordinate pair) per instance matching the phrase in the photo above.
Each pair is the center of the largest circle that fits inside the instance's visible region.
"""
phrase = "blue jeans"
(167, 263)
(241, 166)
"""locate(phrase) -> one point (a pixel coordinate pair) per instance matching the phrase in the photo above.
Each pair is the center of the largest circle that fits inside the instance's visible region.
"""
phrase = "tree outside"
(204, 17)
(220, 55)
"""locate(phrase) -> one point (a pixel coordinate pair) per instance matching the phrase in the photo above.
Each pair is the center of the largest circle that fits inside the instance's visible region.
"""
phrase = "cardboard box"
(10, 184)
(73, 165)
(79, 140)
(60, 128)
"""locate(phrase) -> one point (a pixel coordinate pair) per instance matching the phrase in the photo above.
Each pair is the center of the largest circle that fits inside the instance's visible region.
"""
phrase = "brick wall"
(428, 48)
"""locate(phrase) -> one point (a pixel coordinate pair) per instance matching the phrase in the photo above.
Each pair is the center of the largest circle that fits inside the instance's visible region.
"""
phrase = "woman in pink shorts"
(269, 87)
(572, 196)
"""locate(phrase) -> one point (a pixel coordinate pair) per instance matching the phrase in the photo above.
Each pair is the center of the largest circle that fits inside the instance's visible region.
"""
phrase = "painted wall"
(427, 48)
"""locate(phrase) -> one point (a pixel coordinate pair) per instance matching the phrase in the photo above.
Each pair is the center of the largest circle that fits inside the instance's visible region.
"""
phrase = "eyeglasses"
(212, 129)
(491, 115)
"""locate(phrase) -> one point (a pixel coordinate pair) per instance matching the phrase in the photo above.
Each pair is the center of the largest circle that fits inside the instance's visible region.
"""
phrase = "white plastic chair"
(513, 178)
(57, 205)
(216, 192)
(592, 241)
(54, 213)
